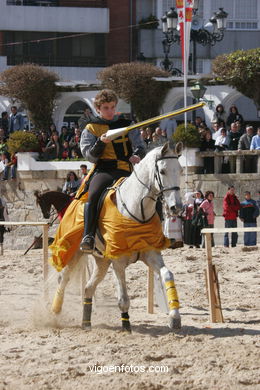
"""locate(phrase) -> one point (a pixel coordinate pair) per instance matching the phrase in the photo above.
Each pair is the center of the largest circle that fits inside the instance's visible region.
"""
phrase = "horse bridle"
(52, 211)
(159, 195)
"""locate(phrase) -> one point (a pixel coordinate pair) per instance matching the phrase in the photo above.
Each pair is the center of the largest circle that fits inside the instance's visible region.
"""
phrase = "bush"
(189, 135)
(22, 141)
(134, 82)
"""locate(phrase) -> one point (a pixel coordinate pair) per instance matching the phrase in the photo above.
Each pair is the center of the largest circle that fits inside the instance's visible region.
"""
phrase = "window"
(242, 14)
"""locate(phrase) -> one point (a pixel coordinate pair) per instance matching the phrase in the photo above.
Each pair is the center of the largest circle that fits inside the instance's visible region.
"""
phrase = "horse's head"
(45, 205)
(167, 176)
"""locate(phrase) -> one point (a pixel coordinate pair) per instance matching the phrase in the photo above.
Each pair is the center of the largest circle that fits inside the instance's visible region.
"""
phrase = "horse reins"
(157, 195)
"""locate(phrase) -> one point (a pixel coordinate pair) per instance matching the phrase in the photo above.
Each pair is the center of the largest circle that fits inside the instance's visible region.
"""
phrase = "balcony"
(238, 161)
(60, 3)
(54, 15)
(94, 62)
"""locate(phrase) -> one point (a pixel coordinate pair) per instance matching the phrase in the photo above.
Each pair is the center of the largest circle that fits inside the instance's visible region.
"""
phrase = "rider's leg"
(97, 185)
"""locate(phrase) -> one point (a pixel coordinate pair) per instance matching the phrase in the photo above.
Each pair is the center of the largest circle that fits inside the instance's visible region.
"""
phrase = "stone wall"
(19, 195)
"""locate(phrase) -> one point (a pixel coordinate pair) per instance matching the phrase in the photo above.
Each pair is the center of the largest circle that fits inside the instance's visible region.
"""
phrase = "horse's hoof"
(175, 323)
(127, 329)
(86, 327)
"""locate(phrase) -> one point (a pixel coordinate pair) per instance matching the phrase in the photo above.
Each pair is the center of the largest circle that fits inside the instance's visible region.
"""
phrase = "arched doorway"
(74, 112)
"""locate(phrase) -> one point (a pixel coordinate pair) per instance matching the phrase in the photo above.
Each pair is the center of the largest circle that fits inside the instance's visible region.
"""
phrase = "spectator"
(258, 200)
(248, 213)
(16, 121)
(198, 121)
(255, 144)
(74, 154)
(5, 160)
(168, 125)
(144, 137)
(241, 129)
(43, 141)
(85, 118)
(219, 115)
(244, 144)
(65, 150)
(233, 137)
(149, 134)
(186, 216)
(196, 227)
(53, 147)
(75, 141)
(207, 206)
(234, 116)
(72, 184)
(221, 142)
(64, 135)
(216, 130)
(13, 165)
(4, 123)
(3, 217)
(162, 138)
(84, 171)
(231, 206)
(207, 145)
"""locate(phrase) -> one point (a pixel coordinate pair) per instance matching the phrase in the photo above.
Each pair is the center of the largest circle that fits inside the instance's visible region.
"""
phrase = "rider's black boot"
(88, 241)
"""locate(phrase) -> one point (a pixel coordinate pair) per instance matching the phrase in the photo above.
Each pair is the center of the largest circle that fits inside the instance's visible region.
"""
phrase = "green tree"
(33, 86)
(241, 70)
(134, 83)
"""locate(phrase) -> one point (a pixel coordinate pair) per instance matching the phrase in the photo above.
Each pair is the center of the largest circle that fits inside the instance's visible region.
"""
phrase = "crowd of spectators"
(198, 213)
(53, 144)
(228, 132)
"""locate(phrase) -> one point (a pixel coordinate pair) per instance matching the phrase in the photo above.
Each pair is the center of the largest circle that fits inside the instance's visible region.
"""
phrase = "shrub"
(189, 135)
(22, 141)
(134, 82)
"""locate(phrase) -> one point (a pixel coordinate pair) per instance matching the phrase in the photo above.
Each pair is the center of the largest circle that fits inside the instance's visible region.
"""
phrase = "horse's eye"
(162, 172)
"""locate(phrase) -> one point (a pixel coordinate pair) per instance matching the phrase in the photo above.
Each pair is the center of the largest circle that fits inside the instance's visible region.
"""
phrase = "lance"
(112, 134)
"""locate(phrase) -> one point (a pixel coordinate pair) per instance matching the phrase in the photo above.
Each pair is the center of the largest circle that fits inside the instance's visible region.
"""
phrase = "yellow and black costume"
(111, 162)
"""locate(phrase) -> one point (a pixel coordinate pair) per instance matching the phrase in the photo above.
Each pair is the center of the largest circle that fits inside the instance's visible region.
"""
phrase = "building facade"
(78, 38)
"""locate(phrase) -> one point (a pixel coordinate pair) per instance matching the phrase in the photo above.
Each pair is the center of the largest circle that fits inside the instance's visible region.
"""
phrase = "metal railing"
(57, 61)
(59, 3)
(240, 161)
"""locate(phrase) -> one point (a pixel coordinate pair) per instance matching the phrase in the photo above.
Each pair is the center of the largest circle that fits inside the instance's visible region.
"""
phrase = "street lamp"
(198, 91)
(208, 34)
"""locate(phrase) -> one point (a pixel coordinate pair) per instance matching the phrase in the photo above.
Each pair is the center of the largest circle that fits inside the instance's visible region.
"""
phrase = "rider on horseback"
(112, 159)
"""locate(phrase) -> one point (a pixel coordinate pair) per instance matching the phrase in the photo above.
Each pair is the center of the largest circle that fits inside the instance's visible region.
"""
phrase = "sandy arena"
(39, 351)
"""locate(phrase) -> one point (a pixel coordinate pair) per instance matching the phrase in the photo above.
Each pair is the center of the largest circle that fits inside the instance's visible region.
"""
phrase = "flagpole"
(185, 84)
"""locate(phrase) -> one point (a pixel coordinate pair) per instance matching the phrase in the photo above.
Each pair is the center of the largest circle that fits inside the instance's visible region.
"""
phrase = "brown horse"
(57, 199)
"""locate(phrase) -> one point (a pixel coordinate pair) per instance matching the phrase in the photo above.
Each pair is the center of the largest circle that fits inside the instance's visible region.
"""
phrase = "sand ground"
(40, 351)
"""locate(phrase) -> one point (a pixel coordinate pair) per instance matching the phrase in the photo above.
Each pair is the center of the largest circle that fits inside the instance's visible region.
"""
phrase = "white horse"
(157, 175)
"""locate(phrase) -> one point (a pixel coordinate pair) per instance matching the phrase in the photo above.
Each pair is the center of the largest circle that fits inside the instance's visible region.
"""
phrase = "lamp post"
(208, 34)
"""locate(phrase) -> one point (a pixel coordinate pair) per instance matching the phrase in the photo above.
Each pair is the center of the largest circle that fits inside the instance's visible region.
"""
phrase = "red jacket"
(231, 205)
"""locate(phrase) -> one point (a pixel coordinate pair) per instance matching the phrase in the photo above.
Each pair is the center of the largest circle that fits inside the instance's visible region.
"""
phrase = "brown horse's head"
(47, 199)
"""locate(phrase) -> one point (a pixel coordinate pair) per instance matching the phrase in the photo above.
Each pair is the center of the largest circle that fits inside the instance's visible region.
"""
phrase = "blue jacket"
(249, 210)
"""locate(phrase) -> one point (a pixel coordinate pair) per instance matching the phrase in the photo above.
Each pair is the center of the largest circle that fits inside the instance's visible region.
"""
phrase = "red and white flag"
(184, 9)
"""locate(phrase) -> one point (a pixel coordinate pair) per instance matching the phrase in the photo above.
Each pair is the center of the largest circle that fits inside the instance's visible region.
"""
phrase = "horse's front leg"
(119, 267)
(155, 260)
(99, 272)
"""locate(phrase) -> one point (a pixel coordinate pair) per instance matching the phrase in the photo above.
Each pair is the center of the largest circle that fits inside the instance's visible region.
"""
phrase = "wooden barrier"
(211, 274)
(45, 227)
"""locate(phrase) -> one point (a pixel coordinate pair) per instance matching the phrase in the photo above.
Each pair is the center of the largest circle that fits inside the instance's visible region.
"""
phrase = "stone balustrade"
(236, 158)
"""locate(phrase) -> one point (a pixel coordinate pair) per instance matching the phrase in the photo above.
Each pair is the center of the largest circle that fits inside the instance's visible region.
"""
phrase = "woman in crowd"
(219, 115)
(234, 116)
(207, 207)
(72, 184)
(53, 147)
